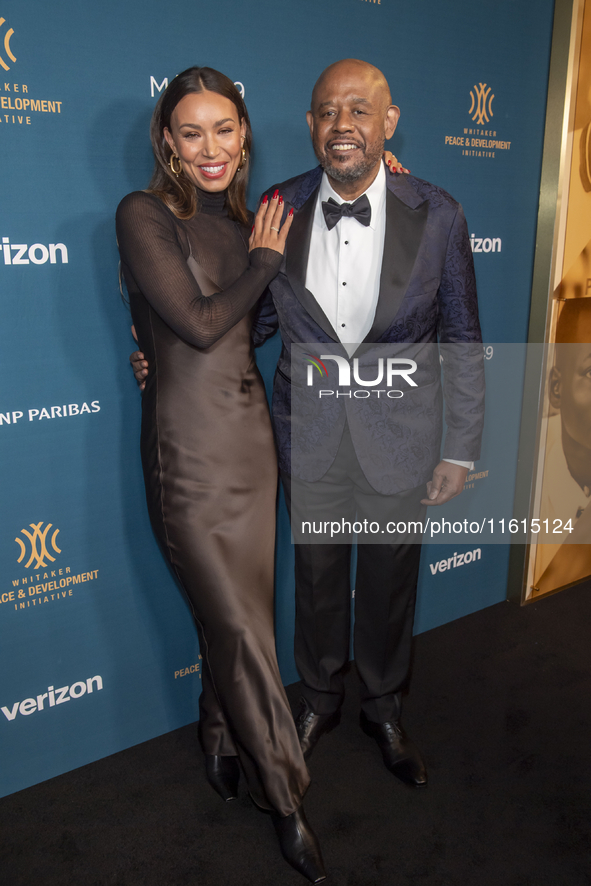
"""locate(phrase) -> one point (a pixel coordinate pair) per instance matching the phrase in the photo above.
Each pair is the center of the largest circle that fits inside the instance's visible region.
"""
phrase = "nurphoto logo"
(396, 368)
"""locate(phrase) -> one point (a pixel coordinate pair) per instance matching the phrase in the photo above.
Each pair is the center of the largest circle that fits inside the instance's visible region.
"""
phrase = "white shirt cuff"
(462, 464)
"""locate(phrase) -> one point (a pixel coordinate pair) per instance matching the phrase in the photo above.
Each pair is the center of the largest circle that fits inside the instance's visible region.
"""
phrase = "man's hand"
(448, 481)
(138, 364)
(140, 368)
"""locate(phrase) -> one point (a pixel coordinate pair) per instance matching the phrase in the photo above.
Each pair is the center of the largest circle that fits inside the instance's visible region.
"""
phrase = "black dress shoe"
(223, 774)
(400, 755)
(299, 845)
(311, 726)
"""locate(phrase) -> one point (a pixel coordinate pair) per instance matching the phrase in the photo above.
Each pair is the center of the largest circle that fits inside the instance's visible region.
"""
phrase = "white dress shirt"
(344, 267)
(344, 264)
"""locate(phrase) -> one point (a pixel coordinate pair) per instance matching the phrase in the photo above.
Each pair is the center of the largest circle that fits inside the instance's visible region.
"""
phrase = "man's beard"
(352, 173)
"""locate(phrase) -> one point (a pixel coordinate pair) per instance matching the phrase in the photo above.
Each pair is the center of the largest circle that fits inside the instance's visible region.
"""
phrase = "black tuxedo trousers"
(385, 592)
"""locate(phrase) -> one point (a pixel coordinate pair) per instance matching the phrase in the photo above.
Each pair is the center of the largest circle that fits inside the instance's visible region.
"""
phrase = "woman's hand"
(393, 164)
(267, 231)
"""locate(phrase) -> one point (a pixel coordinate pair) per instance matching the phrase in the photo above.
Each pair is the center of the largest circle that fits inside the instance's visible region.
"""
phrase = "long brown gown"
(210, 470)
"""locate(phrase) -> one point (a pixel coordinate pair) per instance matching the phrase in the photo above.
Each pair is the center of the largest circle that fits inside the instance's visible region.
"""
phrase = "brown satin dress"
(210, 471)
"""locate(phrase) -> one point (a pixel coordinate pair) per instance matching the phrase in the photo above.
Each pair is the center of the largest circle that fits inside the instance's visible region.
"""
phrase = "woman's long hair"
(180, 194)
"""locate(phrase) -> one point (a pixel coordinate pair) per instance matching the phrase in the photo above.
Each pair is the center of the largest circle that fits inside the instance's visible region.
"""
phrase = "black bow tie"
(333, 211)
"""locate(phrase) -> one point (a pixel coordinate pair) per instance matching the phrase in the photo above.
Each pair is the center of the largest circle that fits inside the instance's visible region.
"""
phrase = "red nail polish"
(265, 199)
(251, 230)
(290, 213)
(281, 201)
(276, 194)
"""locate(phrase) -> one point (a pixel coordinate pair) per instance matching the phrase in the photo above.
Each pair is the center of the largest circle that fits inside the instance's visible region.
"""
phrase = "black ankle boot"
(223, 774)
(299, 845)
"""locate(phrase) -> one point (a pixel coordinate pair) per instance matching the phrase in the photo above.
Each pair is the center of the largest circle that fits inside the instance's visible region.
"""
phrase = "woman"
(194, 275)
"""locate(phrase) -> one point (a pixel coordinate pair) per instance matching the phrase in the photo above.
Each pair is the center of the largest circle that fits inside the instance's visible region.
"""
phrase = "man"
(368, 260)
(400, 276)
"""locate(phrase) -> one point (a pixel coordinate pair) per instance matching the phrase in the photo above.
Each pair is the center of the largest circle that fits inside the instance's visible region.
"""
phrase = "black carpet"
(500, 708)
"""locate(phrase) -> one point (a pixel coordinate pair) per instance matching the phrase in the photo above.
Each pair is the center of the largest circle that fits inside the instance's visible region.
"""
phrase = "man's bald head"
(355, 70)
(351, 117)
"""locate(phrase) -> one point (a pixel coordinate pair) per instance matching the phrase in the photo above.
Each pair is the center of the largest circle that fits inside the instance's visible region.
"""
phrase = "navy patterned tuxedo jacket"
(427, 294)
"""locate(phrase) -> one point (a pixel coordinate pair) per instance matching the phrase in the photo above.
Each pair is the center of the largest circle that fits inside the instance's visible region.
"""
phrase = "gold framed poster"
(562, 488)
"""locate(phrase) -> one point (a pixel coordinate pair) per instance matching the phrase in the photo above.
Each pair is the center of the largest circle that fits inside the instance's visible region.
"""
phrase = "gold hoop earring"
(178, 171)
(243, 160)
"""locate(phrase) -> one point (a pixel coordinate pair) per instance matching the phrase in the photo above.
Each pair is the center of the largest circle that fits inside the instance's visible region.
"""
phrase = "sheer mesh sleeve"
(153, 263)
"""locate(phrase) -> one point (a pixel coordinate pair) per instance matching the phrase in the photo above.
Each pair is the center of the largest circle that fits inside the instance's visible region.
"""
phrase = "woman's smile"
(213, 170)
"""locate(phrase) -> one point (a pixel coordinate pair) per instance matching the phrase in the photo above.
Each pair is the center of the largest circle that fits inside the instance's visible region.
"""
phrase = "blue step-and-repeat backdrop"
(97, 648)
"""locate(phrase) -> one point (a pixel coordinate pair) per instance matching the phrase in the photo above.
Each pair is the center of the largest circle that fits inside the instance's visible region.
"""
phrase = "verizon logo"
(455, 561)
(53, 697)
(38, 253)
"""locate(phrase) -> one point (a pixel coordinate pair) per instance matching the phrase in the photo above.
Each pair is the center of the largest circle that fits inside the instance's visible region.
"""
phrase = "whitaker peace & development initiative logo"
(38, 545)
(18, 105)
(481, 103)
(7, 38)
(38, 551)
(480, 140)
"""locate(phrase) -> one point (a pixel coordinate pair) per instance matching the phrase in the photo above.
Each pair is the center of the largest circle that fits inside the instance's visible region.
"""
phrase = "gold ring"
(274, 229)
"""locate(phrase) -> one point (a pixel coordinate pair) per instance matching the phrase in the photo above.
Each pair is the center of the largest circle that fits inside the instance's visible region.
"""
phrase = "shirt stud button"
(344, 284)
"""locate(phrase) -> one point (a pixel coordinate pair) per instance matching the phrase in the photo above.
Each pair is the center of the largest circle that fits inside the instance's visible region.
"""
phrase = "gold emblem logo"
(7, 49)
(481, 107)
(38, 541)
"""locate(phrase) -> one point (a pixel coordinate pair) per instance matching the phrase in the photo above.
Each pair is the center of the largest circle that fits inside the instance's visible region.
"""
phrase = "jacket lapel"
(297, 249)
(406, 217)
